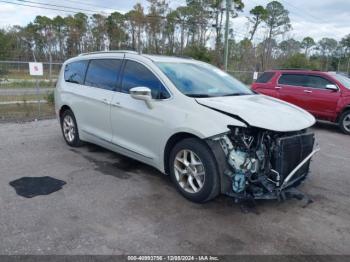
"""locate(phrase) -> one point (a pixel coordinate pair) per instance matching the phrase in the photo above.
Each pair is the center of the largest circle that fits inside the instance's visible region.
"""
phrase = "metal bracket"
(292, 173)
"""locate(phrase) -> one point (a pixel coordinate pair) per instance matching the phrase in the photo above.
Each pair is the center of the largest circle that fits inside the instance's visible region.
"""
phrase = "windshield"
(202, 80)
(345, 81)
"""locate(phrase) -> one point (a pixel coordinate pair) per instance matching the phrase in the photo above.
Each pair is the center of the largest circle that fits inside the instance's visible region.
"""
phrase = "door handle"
(307, 91)
(278, 87)
(105, 101)
(116, 104)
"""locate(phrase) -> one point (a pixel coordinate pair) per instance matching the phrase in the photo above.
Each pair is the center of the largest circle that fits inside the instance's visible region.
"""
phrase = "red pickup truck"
(325, 95)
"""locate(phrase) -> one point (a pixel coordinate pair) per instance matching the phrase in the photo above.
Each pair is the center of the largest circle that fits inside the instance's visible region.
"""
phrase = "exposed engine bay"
(264, 164)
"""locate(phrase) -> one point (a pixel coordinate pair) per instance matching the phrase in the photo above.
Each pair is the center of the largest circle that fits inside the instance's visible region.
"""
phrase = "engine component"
(238, 182)
(241, 161)
(261, 160)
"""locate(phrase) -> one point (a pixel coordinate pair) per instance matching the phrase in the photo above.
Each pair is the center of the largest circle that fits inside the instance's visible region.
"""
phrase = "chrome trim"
(292, 173)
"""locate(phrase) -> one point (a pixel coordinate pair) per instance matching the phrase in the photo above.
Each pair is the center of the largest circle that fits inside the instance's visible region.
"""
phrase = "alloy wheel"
(68, 128)
(346, 122)
(189, 171)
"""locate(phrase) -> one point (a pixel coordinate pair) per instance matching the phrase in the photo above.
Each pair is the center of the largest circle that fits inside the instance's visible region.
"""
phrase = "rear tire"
(193, 170)
(69, 129)
(344, 122)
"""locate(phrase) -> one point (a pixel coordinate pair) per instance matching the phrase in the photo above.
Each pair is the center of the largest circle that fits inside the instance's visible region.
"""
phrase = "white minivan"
(188, 119)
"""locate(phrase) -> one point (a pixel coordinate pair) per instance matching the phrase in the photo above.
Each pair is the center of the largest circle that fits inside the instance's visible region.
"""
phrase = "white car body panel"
(120, 123)
(262, 111)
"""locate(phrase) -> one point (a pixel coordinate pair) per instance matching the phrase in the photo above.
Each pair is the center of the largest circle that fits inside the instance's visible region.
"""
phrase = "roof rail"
(108, 52)
(297, 69)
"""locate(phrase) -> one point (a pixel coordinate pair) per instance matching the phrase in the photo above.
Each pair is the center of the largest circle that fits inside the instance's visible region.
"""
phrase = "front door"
(321, 101)
(137, 129)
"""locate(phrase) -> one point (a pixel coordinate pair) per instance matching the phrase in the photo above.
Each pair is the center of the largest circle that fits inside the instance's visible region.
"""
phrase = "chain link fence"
(247, 77)
(25, 97)
(21, 100)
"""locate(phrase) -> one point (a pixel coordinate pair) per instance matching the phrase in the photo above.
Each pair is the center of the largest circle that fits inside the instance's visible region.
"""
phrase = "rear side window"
(265, 77)
(75, 72)
(293, 80)
(318, 82)
(136, 75)
(103, 73)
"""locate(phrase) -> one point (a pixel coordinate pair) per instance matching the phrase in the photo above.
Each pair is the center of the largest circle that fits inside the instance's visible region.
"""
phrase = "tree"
(345, 42)
(259, 14)
(289, 47)
(116, 30)
(278, 23)
(183, 14)
(198, 19)
(307, 44)
(99, 32)
(327, 47)
(60, 32)
(217, 13)
(77, 28)
(156, 12)
(297, 60)
(136, 18)
(5, 43)
(170, 29)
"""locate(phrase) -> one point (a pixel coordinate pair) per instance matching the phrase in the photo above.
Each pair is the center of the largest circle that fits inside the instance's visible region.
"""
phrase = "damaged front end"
(263, 164)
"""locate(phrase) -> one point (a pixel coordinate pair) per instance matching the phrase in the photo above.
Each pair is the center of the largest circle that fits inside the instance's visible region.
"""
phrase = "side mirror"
(142, 93)
(332, 87)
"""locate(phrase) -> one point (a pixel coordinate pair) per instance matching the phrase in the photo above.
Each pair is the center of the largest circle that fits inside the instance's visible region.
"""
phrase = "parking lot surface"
(114, 205)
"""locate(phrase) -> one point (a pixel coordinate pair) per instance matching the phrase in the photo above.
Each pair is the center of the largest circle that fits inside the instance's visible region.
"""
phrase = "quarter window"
(75, 72)
(265, 77)
(136, 75)
(293, 80)
(103, 73)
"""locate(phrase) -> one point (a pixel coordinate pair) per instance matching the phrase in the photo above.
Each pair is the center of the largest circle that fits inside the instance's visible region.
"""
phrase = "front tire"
(344, 122)
(193, 170)
(69, 129)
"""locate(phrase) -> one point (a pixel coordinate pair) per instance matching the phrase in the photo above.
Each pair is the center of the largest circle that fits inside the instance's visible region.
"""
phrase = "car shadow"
(123, 167)
(329, 126)
(111, 163)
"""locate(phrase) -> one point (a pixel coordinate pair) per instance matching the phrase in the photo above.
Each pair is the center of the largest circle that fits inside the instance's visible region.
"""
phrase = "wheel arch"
(63, 109)
(172, 141)
(346, 108)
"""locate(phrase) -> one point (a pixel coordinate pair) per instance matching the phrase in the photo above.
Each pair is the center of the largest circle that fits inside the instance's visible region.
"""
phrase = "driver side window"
(136, 75)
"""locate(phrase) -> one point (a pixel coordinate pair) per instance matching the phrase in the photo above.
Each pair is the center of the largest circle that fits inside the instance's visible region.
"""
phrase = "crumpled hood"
(262, 111)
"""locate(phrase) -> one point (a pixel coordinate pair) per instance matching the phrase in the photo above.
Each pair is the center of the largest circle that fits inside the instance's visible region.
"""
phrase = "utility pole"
(228, 9)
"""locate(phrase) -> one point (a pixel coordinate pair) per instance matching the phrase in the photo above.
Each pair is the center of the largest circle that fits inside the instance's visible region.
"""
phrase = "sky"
(315, 18)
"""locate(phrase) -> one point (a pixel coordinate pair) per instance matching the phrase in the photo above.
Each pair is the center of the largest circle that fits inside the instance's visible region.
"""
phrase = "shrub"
(50, 98)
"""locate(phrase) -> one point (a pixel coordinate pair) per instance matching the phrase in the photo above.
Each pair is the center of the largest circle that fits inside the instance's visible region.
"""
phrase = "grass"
(4, 98)
(23, 73)
(26, 112)
(27, 84)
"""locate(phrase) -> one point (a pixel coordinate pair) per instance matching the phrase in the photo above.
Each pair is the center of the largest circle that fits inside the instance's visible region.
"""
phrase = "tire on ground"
(211, 186)
(76, 141)
(341, 122)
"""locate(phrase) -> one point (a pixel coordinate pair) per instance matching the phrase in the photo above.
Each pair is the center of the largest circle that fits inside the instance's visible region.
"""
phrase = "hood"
(262, 111)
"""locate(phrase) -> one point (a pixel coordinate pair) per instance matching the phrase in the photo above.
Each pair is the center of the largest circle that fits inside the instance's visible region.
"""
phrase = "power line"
(303, 10)
(60, 6)
(86, 4)
(39, 7)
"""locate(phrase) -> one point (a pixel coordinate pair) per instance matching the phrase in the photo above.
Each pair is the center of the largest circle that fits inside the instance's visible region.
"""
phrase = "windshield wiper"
(198, 95)
(237, 94)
